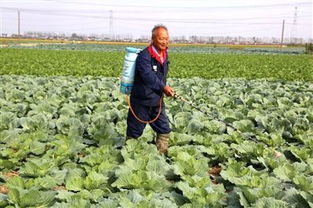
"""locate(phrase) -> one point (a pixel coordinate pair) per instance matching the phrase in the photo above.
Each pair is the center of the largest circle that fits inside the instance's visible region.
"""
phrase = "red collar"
(155, 55)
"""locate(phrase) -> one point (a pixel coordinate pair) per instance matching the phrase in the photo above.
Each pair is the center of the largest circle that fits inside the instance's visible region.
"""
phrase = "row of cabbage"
(232, 49)
(182, 65)
(63, 140)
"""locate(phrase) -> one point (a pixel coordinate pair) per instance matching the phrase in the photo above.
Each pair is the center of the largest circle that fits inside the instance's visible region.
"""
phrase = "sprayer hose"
(142, 121)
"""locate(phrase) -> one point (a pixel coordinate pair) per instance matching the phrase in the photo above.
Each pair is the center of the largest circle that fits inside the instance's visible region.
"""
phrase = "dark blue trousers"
(135, 128)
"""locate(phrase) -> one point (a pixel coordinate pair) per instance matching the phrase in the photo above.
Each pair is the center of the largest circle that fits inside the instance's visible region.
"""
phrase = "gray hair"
(156, 27)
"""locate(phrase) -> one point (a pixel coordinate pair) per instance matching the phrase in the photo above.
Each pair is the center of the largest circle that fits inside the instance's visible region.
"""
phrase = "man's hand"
(168, 91)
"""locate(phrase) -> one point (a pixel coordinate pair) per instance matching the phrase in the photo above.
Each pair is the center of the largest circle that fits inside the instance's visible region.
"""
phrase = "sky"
(253, 18)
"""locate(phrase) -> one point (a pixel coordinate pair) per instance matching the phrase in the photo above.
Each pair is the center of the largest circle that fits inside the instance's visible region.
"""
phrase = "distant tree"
(74, 35)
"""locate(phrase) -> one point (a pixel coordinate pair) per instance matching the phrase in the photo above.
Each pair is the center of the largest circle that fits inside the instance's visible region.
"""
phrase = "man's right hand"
(168, 91)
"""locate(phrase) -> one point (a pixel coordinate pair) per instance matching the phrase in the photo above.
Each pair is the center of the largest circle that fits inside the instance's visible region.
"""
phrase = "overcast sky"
(182, 17)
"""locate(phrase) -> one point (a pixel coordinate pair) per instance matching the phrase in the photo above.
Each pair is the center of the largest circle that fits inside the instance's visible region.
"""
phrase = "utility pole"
(282, 35)
(18, 24)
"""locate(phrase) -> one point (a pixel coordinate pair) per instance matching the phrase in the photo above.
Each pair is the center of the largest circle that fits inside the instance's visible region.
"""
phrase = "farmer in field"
(146, 98)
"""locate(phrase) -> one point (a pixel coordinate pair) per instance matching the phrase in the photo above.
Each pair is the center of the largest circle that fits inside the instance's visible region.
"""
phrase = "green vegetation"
(63, 124)
(183, 65)
(60, 136)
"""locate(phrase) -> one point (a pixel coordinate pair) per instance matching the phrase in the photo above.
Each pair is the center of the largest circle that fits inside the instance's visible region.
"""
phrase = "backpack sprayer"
(127, 80)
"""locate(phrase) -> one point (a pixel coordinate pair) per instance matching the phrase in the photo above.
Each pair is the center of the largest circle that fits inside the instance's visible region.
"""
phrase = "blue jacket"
(150, 79)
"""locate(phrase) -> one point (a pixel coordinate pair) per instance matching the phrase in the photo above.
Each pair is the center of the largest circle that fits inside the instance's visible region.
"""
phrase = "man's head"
(160, 37)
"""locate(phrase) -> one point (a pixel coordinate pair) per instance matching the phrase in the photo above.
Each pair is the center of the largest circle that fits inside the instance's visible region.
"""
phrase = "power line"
(100, 12)
(185, 21)
(186, 7)
(63, 23)
(177, 20)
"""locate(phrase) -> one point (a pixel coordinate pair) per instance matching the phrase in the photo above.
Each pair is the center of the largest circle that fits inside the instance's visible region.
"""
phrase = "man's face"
(160, 40)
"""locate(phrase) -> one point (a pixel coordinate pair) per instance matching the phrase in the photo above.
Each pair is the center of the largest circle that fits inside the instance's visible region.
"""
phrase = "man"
(146, 98)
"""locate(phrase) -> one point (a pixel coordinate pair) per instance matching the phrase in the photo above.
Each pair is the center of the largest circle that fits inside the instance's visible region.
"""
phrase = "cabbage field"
(63, 122)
